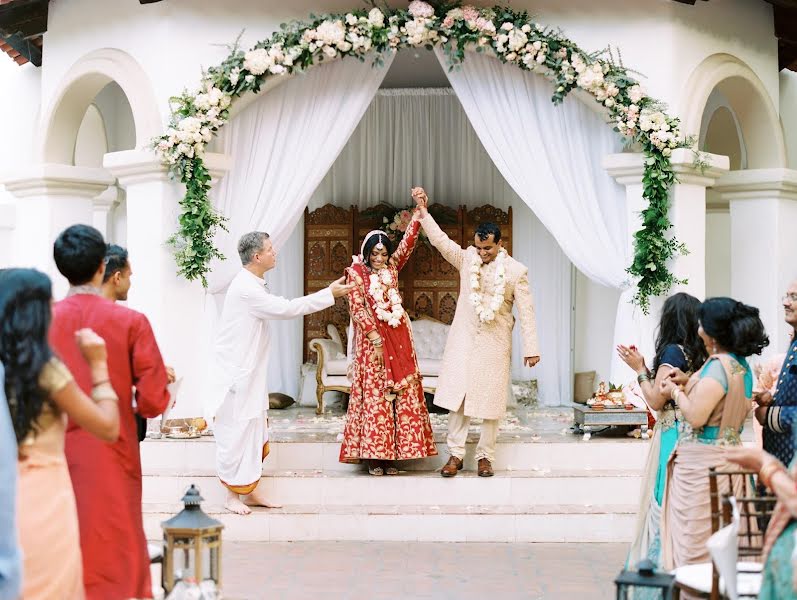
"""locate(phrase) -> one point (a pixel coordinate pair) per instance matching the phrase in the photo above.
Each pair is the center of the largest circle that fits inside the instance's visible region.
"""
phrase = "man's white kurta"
(236, 397)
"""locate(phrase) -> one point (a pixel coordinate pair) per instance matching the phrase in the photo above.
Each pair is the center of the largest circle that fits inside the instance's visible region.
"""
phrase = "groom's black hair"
(485, 230)
(373, 241)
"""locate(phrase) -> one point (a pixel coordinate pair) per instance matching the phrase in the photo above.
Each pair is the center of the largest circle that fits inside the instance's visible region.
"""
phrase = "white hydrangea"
(419, 9)
(257, 61)
(331, 32)
(376, 17)
(517, 39)
(636, 93)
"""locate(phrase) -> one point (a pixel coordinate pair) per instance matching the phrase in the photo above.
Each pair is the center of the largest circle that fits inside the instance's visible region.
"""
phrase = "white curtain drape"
(282, 146)
(551, 157)
(411, 137)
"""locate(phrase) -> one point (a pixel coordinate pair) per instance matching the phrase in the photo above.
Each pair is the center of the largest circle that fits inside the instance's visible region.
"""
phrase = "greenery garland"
(512, 36)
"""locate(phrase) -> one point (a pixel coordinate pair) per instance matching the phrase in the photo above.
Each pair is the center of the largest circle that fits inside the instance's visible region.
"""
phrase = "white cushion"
(336, 367)
(430, 338)
(428, 366)
(698, 577)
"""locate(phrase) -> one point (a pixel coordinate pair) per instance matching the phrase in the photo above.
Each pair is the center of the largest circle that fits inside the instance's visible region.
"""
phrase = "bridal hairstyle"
(372, 241)
(735, 325)
(485, 230)
(25, 296)
(678, 325)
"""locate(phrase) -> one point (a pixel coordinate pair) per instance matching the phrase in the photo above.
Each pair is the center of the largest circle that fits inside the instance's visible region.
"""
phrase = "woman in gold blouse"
(41, 395)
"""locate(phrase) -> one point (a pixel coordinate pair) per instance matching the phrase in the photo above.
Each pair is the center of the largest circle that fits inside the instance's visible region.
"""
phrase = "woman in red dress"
(387, 418)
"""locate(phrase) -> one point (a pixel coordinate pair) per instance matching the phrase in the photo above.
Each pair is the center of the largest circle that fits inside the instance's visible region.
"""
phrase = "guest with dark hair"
(678, 346)
(777, 412)
(116, 281)
(107, 477)
(714, 405)
(41, 392)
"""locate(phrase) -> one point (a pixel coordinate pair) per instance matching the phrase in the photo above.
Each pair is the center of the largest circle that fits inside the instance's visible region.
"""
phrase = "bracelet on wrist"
(642, 377)
(676, 391)
(768, 471)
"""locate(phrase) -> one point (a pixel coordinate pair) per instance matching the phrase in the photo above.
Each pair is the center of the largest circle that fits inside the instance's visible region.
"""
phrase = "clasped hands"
(421, 200)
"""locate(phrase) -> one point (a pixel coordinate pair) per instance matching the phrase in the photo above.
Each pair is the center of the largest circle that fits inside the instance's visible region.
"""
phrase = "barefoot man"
(236, 398)
(474, 376)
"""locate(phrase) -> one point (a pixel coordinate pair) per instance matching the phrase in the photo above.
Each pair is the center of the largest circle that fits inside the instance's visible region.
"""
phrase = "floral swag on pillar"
(512, 36)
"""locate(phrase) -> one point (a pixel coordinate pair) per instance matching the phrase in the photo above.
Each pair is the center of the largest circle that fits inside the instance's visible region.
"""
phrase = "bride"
(387, 418)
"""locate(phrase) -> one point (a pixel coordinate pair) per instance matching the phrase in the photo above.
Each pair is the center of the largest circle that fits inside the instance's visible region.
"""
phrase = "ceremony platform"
(550, 485)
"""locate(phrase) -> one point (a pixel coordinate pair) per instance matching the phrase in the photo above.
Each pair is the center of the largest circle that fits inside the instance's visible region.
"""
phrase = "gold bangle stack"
(676, 391)
(103, 391)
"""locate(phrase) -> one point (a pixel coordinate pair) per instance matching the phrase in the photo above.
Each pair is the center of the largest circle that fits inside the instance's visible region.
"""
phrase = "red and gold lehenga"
(387, 417)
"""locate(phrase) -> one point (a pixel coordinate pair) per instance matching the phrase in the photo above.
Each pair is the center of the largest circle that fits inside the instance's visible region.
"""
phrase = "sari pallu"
(686, 511)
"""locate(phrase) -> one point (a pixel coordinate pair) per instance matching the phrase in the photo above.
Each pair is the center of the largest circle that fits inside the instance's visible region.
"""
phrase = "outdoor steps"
(409, 522)
(556, 489)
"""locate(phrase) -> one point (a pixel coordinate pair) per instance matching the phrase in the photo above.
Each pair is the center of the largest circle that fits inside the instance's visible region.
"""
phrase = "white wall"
(788, 114)
(596, 306)
(20, 88)
(718, 252)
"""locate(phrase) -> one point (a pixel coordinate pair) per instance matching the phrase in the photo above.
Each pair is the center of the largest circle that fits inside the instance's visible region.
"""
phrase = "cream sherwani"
(474, 376)
(236, 397)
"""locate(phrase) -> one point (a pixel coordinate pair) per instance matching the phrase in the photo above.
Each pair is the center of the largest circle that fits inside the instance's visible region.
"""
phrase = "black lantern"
(191, 545)
(645, 576)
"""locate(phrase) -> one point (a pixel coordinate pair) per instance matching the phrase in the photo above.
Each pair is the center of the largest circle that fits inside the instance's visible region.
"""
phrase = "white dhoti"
(241, 447)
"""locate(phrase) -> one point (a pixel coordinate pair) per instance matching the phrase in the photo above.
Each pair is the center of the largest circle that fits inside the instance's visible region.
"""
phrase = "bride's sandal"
(391, 471)
(375, 469)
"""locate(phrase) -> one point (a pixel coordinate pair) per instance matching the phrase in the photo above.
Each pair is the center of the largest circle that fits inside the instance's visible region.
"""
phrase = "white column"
(174, 306)
(104, 204)
(688, 214)
(50, 198)
(8, 225)
(763, 207)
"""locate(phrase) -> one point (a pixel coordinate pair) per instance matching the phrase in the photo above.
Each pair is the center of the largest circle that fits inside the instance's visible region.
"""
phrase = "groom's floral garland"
(487, 313)
(388, 309)
(511, 35)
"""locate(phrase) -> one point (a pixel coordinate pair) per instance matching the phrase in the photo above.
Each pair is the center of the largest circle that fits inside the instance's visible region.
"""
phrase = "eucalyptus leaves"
(512, 36)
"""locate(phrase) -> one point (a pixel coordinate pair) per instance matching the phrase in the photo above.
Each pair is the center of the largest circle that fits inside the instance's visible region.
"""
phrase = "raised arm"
(450, 250)
(407, 244)
(528, 322)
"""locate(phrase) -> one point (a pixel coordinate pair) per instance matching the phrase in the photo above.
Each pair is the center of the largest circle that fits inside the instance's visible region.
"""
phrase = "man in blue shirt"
(10, 561)
(778, 413)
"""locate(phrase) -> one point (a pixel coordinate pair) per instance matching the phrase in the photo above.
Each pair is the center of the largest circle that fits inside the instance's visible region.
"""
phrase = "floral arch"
(512, 36)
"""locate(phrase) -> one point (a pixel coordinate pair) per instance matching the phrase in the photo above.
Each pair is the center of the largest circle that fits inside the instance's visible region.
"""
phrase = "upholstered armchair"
(330, 374)
(428, 334)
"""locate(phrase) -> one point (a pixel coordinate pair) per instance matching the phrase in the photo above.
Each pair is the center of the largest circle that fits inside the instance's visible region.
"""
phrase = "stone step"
(509, 488)
(198, 456)
(454, 523)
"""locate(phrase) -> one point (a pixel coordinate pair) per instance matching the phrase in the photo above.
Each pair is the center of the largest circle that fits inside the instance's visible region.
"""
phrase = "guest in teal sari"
(678, 346)
(778, 582)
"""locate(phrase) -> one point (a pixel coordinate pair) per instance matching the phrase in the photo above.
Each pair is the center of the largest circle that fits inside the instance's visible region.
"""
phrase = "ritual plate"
(183, 435)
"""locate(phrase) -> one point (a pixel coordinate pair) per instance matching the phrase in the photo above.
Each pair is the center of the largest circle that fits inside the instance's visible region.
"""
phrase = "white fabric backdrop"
(551, 156)
(423, 137)
(282, 145)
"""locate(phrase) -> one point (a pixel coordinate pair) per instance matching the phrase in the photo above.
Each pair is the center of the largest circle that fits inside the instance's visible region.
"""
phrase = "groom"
(475, 374)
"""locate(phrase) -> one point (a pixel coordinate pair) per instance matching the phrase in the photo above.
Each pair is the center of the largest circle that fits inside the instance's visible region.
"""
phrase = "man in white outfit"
(236, 397)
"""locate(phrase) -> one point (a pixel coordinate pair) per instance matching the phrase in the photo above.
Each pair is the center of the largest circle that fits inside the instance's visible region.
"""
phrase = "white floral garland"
(487, 314)
(388, 309)
(513, 36)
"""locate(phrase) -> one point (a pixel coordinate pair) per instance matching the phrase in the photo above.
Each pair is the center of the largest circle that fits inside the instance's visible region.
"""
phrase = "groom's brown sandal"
(451, 467)
(485, 469)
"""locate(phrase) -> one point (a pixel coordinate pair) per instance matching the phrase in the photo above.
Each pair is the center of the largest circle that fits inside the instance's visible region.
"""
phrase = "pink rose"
(405, 215)
(470, 13)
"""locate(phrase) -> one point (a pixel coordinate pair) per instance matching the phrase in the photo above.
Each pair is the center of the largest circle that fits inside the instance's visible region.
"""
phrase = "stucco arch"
(84, 79)
(751, 103)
